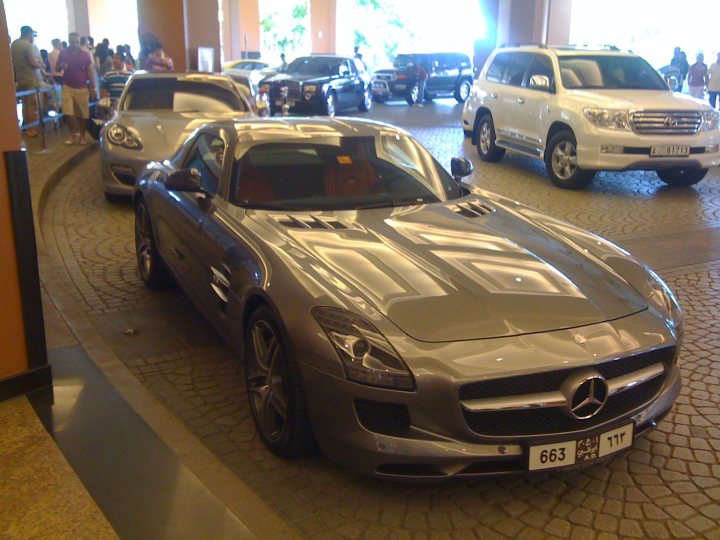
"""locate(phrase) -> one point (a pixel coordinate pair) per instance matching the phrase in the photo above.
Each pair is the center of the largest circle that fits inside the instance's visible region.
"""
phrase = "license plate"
(670, 150)
(562, 454)
(399, 86)
(290, 102)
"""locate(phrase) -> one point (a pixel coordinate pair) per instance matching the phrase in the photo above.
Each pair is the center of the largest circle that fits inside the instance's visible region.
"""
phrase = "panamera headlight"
(710, 120)
(608, 118)
(310, 88)
(660, 295)
(120, 135)
(367, 356)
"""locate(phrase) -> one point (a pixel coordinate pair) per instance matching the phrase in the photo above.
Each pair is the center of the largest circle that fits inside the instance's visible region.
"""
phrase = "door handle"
(493, 95)
(521, 100)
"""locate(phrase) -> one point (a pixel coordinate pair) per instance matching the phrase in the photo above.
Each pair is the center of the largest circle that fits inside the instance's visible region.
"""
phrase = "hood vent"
(311, 222)
(472, 209)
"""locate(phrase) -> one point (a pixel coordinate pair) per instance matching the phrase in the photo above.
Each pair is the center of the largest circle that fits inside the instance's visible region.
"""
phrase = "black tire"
(485, 137)
(561, 162)
(412, 96)
(274, 388)
(152, 269)
(462, 92)
(681, 177)
(329, 107)
(366, 103)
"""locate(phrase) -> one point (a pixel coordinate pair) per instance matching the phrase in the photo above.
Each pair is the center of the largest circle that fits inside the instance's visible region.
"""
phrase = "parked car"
(320, 85)
(409, 325)
(155, 114)
(249, 72)
(448, 74)
(587, 110)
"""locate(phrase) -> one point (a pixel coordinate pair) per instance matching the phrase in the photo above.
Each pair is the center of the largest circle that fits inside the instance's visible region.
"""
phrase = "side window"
(498, 67)
(447, 61)
(207, 158)
(359, 65)
(516, 72)
(353, 68)
(540, 65)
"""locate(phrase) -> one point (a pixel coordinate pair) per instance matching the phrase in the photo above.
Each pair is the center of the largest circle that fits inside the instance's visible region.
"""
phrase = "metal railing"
(44, 116)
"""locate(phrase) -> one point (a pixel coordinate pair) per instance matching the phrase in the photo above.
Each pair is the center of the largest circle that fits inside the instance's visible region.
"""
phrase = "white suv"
(585, 110)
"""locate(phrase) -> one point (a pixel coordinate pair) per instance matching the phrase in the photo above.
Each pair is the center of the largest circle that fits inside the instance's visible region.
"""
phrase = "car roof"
(306, 129)
(568, 50)
(183, 76)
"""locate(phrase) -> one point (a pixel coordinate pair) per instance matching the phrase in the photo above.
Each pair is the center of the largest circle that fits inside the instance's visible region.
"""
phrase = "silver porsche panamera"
(406, 323)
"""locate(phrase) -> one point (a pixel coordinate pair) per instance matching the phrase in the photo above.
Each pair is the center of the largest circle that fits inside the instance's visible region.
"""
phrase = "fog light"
(612, 149)
(711, 149)
(308, 95)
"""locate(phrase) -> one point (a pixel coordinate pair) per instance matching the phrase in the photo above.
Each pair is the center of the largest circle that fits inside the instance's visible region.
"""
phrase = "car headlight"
(367, 356)
(710, 120)
(608, 118)
(660, 295)
(120, 135)
(310, 88)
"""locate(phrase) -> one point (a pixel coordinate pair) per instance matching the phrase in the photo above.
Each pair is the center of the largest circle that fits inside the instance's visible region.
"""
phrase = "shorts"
(75, 102)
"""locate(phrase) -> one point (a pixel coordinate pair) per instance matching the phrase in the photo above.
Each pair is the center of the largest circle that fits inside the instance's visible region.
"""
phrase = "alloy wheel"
(564, 160)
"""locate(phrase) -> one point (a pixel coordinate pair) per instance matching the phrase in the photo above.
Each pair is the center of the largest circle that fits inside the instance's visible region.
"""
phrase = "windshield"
(314, 65)
(181, 96)
(340, 173)
(609, 72)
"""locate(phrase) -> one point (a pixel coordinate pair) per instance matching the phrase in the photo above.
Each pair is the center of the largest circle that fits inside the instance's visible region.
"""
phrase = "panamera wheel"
(152, 269)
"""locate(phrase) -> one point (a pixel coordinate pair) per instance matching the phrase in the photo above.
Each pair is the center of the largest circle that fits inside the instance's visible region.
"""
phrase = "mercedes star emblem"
(586, 394)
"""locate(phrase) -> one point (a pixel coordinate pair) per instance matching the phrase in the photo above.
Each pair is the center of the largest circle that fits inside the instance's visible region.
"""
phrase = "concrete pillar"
(78, 17)
(483, 47)
(202, 29)
(166, 19)
(241, 29)
(559, 17)
(23, 361)
(323, 22)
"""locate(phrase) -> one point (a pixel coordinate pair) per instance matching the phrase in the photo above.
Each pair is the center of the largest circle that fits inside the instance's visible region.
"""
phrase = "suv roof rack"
(588, 46)
(539, 45)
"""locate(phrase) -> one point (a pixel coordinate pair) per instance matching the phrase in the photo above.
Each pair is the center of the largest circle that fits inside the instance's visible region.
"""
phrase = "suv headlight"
(367, 356)
(122, 136)
(710, 120)
(608, 118)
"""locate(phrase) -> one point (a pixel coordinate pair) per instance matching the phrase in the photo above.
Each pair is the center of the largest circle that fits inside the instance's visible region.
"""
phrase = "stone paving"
(667, 486)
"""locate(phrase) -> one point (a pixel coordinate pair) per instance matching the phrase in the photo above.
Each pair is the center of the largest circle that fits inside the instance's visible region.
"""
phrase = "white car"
(586, 110)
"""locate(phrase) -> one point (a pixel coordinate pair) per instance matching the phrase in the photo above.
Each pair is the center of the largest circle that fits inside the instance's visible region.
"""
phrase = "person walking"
(113, 82)
(697, 77)
(28, 74)
(713, 83)
(78, 87)
(421, 76)
(680, 63)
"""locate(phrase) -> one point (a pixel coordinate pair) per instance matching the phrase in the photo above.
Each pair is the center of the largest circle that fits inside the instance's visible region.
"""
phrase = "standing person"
(283, 62)
(679, 62)
(158, 61)
(130, 63)
(421, 76)
(713, 84)
(697, 77)
(28, 75)
(53, 56)
(113, 82)
(78, 87)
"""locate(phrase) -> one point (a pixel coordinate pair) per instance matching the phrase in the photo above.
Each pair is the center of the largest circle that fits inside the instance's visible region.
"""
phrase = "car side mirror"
(460, 167)
(540, 82)
(184, 180)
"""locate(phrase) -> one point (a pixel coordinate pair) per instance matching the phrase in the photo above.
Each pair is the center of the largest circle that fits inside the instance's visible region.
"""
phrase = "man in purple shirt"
(78, 87)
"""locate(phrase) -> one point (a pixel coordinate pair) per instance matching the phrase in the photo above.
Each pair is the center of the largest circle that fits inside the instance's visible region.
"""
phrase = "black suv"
(320, 85)
(448, 73)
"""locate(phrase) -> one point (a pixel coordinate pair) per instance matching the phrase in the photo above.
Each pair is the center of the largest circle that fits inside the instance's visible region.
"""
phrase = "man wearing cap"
(27, 73)
(78, 87)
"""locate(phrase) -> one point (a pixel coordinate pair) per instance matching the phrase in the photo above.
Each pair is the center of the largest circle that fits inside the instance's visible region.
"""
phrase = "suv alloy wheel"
(561, 162)
(486, 140)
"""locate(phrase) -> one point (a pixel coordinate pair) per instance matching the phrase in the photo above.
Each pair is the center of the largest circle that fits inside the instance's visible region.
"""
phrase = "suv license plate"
(562, 454)
(674, 151)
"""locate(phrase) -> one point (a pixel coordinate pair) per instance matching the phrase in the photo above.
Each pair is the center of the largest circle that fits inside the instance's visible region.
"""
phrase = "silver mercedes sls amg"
(406, 323)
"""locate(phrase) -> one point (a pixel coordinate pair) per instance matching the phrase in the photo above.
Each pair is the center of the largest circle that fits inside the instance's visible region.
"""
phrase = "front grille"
(552, 420)
(293, 90)
(383, 418)
(546, 420)
(666, 122)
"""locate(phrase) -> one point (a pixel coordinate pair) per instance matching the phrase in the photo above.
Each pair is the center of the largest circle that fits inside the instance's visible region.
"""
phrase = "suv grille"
(547, 420)
(666, 122)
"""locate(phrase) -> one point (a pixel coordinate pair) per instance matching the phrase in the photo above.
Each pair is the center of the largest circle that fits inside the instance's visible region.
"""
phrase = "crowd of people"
(81, 69)
(699, 77)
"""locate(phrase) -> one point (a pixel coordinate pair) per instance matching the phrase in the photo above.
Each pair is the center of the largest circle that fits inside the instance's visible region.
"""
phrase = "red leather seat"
(348, 179)
(253, 187)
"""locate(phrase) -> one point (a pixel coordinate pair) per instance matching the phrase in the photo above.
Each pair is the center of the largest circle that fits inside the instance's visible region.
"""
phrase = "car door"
(495, 91)
(534, 110)
(447, 72)
(511, 101)
(346, 85)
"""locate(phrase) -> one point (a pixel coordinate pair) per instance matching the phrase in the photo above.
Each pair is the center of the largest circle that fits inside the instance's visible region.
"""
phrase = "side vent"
(311, 222)
(472, 209)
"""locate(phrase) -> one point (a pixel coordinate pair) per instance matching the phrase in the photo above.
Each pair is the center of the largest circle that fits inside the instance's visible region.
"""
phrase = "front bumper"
(121, 167)
(427, 434)
(603, 149)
